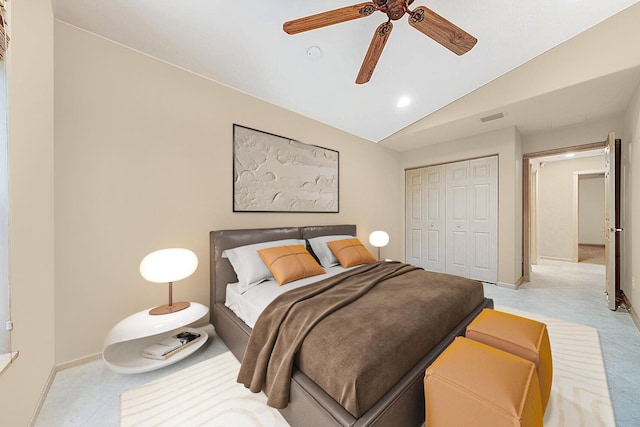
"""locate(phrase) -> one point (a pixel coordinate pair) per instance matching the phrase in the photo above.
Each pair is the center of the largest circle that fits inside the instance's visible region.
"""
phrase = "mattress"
(248, 305)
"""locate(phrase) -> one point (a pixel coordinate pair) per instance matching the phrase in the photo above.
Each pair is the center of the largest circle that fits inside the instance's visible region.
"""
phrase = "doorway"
(612, 224)
(591, 217)
(551, 218)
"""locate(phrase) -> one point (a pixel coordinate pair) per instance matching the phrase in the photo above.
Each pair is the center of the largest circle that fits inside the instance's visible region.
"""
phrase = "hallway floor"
(591, 254)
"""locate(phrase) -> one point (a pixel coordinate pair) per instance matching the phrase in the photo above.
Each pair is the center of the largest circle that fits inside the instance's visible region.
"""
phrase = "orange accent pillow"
(350, 252)
(289, 263)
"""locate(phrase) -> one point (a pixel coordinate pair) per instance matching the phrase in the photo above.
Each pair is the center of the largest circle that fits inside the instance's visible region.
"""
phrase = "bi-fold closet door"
(452, 218)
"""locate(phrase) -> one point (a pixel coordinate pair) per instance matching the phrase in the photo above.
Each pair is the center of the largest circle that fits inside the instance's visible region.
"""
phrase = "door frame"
(526, 196)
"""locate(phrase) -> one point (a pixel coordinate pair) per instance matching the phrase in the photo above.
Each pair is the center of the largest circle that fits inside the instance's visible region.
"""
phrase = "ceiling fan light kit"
(421, 18)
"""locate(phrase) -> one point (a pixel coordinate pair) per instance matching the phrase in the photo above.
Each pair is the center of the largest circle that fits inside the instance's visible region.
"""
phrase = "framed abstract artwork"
(272, 173)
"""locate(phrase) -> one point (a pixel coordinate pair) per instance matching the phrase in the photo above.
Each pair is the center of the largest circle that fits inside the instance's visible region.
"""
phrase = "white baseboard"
(52, 376)
(513, 286)
(506, 285)
(634, 317)
(76, 362)
(43, 396)
(550, 258)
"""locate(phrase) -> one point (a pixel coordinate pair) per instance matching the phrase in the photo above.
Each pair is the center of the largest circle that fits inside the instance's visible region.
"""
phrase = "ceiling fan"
(421, 18)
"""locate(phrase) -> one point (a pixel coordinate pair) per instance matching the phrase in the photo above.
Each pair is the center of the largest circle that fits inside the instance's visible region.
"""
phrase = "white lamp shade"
(379, 238)
(168, 265)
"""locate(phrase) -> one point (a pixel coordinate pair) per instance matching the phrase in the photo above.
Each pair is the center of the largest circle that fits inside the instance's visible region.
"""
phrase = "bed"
(309, 405)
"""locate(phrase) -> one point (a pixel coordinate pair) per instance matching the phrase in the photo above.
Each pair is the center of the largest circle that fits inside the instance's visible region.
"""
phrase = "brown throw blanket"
(361, 365)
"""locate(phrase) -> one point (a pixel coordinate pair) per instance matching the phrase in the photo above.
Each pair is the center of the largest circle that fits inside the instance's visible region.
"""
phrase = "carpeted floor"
(207, 394)
(591, 254)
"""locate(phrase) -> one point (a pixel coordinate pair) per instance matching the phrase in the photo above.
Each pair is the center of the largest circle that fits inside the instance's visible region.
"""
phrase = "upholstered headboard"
(221, 270)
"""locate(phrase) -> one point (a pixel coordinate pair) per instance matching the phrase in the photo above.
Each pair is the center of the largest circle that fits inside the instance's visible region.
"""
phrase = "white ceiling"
(242, 45)
(579, 104)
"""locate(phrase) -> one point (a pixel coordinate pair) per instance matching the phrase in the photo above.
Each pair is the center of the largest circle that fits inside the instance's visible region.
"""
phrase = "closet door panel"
(481, 248)
(425, 236)
(457, 224)
(435, 224)
(483, 219)
(415, 249)
(415, 235)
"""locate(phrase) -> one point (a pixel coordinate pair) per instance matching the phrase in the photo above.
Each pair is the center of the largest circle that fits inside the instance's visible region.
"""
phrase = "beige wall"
(506, 144)
(591, 210)
(144, 161)
(557, 214)
(571, 136)
(631, 203)
(30, 74)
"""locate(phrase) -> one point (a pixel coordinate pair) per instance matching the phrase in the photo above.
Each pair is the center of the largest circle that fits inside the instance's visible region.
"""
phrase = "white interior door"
(610, 227)
(425, 210)
(457, 226)
(415, 234)
(483, 219)
(435, 217)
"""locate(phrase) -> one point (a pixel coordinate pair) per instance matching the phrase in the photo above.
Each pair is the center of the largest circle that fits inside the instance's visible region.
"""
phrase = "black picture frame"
(272, 173)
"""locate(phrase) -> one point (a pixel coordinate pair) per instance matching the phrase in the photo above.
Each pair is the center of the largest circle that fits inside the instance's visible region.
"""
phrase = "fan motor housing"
(396, 9)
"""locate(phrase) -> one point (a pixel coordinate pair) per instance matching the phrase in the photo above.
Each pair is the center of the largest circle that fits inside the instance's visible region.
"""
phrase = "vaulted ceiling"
(242, 45)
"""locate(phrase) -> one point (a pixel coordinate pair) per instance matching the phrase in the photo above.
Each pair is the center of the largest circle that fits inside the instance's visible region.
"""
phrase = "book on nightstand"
(169, 346)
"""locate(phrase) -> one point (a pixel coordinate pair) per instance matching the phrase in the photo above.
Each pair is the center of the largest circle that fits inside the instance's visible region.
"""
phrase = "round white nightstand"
(122, 351)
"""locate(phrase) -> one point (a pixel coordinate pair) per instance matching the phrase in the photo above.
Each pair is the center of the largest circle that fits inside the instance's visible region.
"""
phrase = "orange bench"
(519, 336)
(473, 384)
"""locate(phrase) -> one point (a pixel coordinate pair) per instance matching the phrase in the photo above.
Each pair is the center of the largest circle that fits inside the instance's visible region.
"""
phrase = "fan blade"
(375, 50)
(331, 17)
(439, 29)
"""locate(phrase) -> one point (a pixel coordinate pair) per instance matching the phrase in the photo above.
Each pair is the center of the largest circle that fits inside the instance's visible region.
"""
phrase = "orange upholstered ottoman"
(473, 384)
(520, 336)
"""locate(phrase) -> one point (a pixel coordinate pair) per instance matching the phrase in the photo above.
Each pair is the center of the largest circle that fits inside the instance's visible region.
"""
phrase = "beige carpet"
(207, 394)
(591, 254)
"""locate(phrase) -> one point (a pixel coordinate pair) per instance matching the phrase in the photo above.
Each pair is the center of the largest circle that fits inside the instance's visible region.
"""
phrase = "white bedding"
(248, 305)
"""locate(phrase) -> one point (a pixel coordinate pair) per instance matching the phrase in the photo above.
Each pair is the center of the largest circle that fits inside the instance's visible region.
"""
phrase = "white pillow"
(325, 256)
(248, 265)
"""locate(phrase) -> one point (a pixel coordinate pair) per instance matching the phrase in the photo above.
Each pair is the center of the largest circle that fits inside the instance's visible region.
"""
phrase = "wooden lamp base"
(166, 309)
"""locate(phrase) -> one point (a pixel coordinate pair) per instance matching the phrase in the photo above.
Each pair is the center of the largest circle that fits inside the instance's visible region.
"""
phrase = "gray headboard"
(221, 271)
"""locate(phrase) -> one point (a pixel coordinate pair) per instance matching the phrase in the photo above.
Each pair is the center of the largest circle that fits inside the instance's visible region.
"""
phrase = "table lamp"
(168, 265)
(379, 239)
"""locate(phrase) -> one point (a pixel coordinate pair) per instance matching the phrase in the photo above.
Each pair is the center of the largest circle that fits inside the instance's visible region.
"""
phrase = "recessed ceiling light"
(403, 101)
